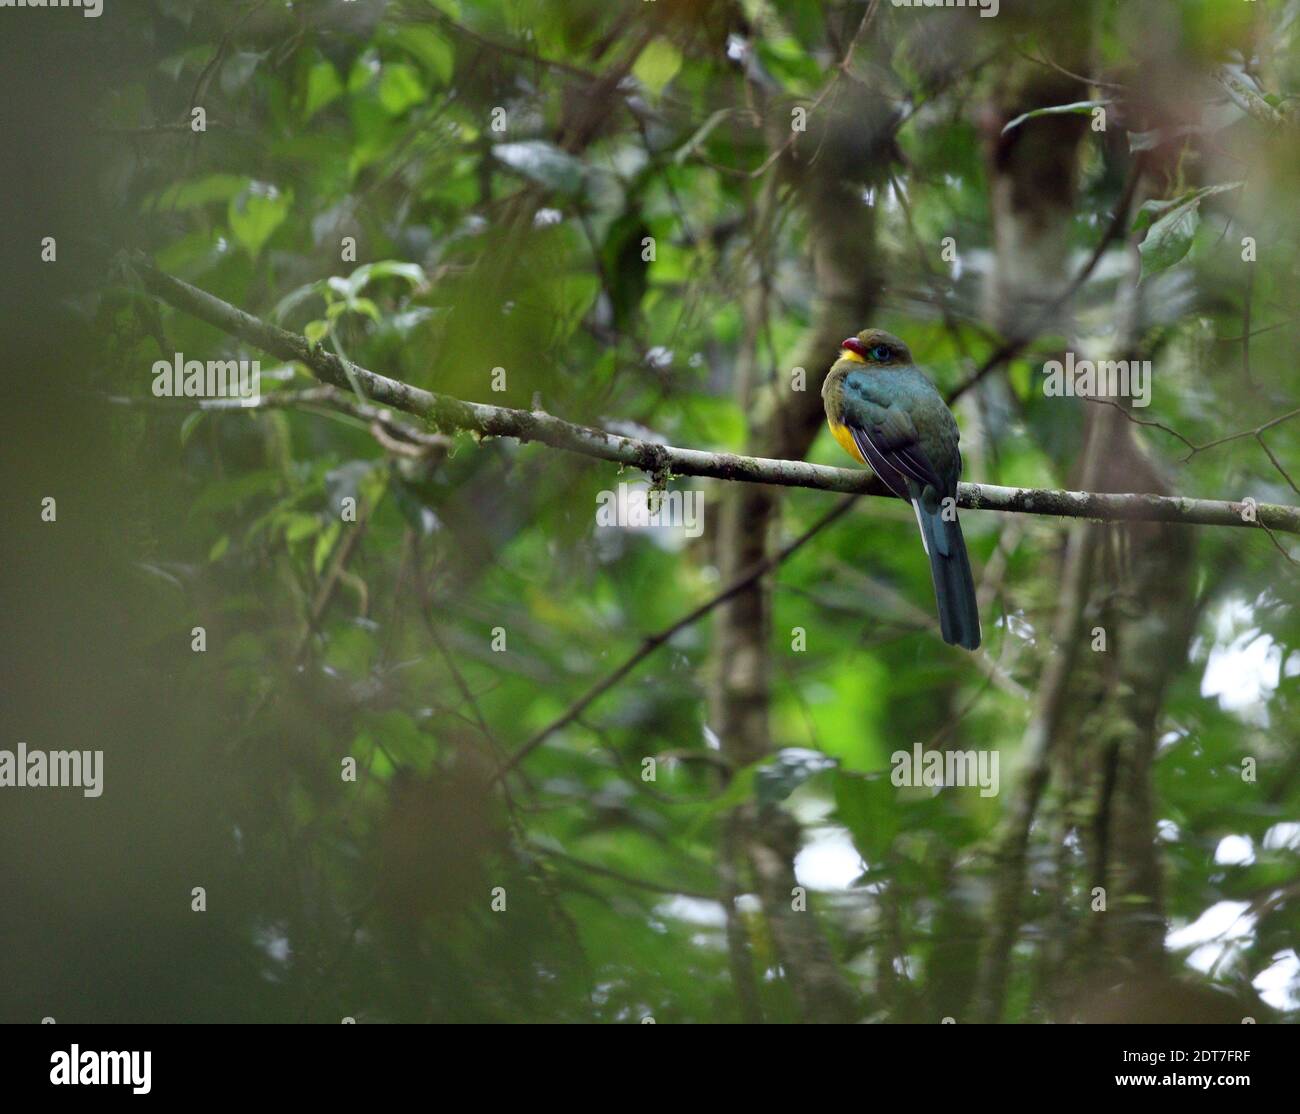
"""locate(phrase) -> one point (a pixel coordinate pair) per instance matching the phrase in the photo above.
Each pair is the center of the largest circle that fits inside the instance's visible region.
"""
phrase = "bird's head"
(876, 348)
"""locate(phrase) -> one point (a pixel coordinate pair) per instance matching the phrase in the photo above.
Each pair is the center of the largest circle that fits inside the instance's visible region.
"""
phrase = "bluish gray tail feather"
(954, 587)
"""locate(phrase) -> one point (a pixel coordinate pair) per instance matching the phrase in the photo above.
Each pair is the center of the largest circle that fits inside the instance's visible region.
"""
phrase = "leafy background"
(523, 249)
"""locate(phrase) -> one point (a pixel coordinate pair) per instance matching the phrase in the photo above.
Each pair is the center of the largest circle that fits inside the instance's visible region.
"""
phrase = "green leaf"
(323, 86)
(316, 331)
(657, 65)
(299, 525)
(1078, 108)
(195, 251)
(790, 63)
(1153, 210)
(868, 807)
(400, 87)
(189, 425)
(197, 192)
(428, 47)
(363, 306)
(293, 299)
(1170, 238)
(365, 68)
(325, 545)
(256, 213)
(386, 268)
(362, 276)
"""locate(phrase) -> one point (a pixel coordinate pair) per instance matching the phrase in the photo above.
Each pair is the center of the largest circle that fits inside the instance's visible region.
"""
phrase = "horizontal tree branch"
(661, 461)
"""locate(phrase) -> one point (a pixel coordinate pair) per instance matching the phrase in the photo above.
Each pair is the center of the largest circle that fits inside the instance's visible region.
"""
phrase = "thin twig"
(654, 641)
(619, 876)
(1012, 347)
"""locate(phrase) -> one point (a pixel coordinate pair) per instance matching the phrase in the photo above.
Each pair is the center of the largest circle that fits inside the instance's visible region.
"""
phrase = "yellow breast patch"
(845, 438)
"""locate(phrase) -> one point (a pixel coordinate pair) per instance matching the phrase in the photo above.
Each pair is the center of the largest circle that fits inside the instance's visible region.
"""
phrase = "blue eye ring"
(880, 352)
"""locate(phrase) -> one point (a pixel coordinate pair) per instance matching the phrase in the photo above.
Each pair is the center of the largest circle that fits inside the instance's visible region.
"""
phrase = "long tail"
(954, 588)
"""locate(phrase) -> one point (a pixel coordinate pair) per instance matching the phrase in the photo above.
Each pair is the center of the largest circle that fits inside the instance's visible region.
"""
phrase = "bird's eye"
(880, 352)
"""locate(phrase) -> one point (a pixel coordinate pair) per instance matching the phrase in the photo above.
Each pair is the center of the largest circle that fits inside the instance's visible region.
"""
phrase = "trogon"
(886, 413)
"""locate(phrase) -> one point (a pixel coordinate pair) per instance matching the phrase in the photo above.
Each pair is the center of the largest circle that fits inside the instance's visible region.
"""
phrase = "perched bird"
(887, 414)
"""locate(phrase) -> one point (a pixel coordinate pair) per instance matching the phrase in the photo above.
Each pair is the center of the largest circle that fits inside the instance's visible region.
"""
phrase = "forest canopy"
(458, 667)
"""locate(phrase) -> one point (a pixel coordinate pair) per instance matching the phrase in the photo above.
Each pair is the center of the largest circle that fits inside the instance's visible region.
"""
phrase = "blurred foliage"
(525, 247)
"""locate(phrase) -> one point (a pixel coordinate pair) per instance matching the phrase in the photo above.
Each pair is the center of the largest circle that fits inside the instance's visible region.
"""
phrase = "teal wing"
(887, 435)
